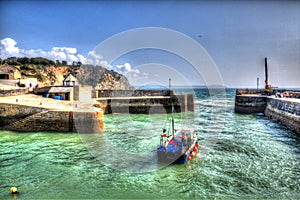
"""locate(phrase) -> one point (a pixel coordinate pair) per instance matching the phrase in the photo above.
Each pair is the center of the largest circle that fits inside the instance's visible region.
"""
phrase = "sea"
(240, 157)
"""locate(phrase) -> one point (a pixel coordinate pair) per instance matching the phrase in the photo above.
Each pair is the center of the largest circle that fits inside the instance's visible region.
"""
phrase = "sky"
(235, 35)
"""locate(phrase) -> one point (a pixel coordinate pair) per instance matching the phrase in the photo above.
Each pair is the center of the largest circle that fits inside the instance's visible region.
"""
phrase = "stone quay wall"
(11, 113)
(149, 105)
(131, 93)
(13, 92)
(248, 104)
(23, 118)
(33, 119)
(285, 112)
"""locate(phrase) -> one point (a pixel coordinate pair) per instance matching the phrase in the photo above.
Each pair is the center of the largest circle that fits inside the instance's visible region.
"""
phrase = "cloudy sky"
(236, 35)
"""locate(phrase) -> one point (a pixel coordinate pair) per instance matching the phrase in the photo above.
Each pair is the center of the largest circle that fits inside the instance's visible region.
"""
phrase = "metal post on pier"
(266, 74)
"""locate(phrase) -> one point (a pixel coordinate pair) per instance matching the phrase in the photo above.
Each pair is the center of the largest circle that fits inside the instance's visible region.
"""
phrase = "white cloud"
(124, 69)
(8, 48)
(96, 59)
(65, 49)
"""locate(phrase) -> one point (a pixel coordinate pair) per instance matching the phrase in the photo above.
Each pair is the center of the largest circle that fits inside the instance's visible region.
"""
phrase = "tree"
(64, 62)
(57, 63)
(33, 61)
(24, 60)
(51, 62)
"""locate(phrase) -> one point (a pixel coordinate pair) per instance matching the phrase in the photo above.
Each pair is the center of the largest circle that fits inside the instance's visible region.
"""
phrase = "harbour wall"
(34, 119)
(283, 110)
(131, 93)
(13, 92)
(148, 104)
(23, 118)
(249, 104)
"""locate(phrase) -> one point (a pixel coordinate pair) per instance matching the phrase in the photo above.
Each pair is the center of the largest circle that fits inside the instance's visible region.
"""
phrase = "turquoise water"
(244, 156)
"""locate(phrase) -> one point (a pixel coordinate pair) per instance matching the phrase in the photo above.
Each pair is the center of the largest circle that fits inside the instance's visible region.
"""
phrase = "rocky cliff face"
(53, 75)
(102, 78)
(95, 76)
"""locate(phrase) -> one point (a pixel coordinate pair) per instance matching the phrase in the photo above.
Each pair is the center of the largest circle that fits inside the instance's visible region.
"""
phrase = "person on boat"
(164, 134)
(162, 142)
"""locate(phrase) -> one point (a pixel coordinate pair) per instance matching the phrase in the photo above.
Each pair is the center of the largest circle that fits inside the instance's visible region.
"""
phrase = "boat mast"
(171, 107)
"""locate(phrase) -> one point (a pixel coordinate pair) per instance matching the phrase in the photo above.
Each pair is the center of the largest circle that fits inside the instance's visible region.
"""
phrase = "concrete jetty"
(143, 101)
(147, 104)
(284, 110)
(32, 113)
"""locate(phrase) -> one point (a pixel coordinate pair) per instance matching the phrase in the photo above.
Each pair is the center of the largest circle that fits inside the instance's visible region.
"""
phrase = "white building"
(70, 80)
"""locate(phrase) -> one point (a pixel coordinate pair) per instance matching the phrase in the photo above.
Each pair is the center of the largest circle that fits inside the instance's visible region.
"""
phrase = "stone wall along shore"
(284, 110)
(34, 119)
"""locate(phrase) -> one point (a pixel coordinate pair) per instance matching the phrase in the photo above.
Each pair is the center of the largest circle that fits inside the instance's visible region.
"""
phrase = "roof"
(70, 78)
(60, 90)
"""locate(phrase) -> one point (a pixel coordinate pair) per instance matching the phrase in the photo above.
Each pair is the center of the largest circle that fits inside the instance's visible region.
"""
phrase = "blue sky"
(236, 34)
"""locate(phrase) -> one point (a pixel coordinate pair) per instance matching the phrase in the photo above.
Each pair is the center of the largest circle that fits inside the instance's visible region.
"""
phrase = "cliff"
(102, 78)
(48, 73)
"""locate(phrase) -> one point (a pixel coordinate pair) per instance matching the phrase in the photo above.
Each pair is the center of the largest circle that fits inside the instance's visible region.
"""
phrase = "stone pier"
(143, 101)
(147, 104)
(283, 110)
(37, 119)
(32, 113)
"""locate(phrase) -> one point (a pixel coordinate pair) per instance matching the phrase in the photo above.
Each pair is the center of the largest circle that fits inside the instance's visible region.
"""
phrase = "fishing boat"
(180, 146)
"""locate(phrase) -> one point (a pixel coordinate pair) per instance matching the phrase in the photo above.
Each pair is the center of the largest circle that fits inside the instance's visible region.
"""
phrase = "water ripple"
(253, 158)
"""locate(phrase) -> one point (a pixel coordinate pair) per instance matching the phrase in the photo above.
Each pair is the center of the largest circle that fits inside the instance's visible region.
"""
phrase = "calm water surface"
(252, 158)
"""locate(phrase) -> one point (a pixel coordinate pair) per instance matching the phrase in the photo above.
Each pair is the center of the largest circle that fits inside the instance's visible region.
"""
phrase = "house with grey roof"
(70, 80)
